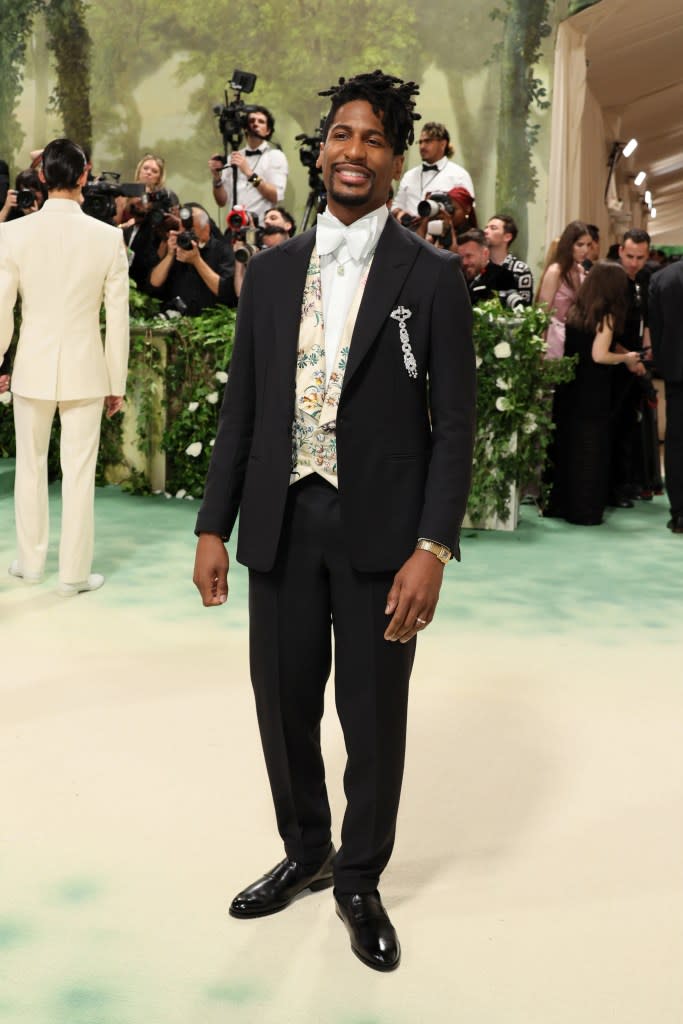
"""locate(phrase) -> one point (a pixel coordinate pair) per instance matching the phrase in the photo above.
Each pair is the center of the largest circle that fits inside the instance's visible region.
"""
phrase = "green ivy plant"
(514, 404)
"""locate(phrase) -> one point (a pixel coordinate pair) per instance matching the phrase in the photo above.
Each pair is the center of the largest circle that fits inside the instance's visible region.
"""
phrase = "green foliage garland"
(514, 404)
(514, 401)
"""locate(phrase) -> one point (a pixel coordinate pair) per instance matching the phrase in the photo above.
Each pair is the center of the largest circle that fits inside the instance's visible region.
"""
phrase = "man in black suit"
(347, 449)
(666, 332)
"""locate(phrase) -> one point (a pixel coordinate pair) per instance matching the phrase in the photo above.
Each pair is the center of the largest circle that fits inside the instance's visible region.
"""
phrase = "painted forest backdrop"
(130, 76)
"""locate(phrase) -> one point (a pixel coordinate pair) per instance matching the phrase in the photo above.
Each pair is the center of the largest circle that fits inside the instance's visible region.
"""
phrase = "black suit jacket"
(404, 445)
(666, 320)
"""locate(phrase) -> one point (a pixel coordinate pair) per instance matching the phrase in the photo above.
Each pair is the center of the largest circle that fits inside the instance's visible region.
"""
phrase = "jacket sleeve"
(9, 285)
(117, 341)
(225, 479)
(452, 400)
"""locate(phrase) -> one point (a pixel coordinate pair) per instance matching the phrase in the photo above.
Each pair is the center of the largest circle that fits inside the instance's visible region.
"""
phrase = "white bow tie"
(330, 234)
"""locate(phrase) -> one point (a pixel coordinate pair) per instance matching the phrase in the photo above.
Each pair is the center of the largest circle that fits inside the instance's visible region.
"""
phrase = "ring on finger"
(421, 622)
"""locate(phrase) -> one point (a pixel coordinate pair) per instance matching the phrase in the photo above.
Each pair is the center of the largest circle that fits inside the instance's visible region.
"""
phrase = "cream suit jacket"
(64, 265)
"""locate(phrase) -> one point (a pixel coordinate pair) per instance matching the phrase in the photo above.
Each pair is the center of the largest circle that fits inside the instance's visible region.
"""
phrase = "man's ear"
(41, 175)
(319, 161)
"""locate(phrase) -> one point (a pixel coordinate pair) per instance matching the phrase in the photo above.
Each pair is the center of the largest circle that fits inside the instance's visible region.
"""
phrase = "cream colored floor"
(538, 872)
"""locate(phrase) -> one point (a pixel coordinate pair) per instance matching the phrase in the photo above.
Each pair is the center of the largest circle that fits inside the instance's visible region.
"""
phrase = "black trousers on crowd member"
(311, 593)
(624, 433)
(673, 445)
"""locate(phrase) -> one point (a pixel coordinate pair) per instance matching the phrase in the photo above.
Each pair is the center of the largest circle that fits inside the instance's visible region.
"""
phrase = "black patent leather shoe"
(373, 938)
(277, 888)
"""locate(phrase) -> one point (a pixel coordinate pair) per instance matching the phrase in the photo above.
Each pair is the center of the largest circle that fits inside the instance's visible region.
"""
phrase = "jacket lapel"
(290, 279)
(395, 255)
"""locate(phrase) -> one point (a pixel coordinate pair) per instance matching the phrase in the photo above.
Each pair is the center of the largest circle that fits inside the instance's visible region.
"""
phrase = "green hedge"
(514, 402)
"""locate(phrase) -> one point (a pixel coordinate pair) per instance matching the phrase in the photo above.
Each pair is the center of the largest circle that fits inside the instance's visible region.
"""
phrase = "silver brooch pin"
(401, 314)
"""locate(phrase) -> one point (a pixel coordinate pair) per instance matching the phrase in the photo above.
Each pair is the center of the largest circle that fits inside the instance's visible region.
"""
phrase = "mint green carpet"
(537, 873)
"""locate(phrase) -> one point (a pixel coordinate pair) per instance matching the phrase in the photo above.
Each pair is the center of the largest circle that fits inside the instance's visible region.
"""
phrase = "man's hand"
(192, 255)
(413, 596)
(240, 161)
(113, 404)
(211, 569)
(4, 382)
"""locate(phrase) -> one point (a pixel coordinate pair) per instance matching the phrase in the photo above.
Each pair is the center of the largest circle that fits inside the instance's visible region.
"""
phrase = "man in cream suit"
(64, 265)
(345, 441)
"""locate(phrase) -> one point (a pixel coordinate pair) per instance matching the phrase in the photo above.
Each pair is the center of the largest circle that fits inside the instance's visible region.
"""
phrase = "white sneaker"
(29, 577)
(93, 582)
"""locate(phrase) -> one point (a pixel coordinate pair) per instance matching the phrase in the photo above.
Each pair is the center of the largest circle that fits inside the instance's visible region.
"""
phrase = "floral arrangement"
(514, 404)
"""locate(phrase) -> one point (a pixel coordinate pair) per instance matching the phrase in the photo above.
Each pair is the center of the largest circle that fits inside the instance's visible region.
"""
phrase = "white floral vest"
(314, 438)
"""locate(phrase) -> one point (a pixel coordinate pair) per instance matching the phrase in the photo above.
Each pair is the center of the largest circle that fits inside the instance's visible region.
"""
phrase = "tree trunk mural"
(525, 26)
(70, 43)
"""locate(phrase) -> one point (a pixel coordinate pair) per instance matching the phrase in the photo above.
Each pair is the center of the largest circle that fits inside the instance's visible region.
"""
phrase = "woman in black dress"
(581, 409)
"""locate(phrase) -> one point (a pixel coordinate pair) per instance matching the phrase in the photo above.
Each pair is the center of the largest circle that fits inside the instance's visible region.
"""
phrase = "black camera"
(156, 208)
(233, 115)
(438, 202)
(99, 196)
(309, 147)
(26, 198)
(237, 218)
(512, 300)
(186, 235)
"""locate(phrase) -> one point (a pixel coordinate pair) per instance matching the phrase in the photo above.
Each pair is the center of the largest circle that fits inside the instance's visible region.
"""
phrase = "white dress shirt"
(416, 183)
(271, 165)
(342, 268)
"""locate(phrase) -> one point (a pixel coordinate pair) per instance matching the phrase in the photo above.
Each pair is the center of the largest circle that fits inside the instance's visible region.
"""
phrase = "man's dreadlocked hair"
(390, 98)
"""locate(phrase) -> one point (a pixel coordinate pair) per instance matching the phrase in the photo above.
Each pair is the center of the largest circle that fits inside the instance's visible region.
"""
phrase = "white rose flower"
(478, 360)
(502, 350)
(501, 404)
(212, 398)
(167, 495)
(530, 423)
(194, 449)
(181, 493)
(189, 497)
(502, 385)
(212, 442)
(221, 376)
(193, 406)
(5, 398)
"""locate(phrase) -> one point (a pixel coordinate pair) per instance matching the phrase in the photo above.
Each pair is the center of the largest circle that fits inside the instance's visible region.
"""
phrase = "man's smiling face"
(358, 162)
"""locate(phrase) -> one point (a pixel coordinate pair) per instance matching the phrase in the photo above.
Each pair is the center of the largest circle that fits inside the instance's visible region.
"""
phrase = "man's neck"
(498, 255)
(74, 194)
(255, 141)
(349, 214)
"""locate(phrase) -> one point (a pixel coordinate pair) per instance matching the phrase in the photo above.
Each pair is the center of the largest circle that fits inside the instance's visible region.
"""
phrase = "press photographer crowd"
(607, 313)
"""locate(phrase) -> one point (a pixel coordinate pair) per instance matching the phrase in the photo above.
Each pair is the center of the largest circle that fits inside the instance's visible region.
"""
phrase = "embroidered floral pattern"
(312, 304)
(314, 440)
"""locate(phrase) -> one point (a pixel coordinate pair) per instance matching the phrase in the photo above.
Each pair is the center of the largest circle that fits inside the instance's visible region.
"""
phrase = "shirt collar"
(361, 237)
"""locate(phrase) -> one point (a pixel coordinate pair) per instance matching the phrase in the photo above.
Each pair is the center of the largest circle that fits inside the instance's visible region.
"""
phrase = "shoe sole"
(383, 968)
(321, 883)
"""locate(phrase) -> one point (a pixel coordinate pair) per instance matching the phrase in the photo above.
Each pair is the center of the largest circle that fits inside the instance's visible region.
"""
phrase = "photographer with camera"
(262, 168)
(27, 196)
(197, 270)
(147, 219)
(444, 217)
(278, 226)
(436, 173)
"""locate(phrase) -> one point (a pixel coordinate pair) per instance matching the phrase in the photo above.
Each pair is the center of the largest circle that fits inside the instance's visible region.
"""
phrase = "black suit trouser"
(673, 445)
(311, 593)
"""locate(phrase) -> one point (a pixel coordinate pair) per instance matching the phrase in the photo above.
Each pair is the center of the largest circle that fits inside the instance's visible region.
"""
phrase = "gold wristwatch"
(443, 553)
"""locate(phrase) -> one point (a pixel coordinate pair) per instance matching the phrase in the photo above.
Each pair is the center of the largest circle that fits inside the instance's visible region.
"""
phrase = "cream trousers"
(80, 438)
